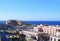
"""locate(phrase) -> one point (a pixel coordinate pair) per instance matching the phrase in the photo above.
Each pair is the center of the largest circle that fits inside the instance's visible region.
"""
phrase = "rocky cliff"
(14, 23)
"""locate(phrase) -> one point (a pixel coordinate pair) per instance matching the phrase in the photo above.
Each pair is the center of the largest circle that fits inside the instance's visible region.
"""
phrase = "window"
(58, 39)
(51, 39)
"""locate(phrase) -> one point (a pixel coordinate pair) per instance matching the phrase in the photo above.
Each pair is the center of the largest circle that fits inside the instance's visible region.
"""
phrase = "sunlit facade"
(50, 30)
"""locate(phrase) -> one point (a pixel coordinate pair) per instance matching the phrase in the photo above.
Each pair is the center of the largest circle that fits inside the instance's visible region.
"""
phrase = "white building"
(51, 30)
(56, 37)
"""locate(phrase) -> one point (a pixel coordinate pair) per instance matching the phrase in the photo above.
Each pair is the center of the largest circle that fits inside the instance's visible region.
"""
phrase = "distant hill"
(16, 23)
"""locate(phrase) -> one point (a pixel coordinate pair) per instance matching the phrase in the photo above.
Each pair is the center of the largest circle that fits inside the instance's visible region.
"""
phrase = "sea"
(29, 22)
(38, 22)
(43, 22)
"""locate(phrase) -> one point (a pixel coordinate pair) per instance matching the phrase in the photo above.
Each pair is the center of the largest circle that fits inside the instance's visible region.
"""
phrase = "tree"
(22, 37)
(42, 37)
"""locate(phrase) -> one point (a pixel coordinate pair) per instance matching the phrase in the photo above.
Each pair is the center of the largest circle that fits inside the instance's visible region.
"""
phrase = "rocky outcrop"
(14, 23)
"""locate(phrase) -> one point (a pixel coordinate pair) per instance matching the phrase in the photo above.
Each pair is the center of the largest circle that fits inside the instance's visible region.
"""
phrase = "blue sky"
(35, 10)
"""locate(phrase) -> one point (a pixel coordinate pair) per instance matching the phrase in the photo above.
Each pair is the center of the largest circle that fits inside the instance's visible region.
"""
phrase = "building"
(50, 30)
(35, 35)
(55, 38)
